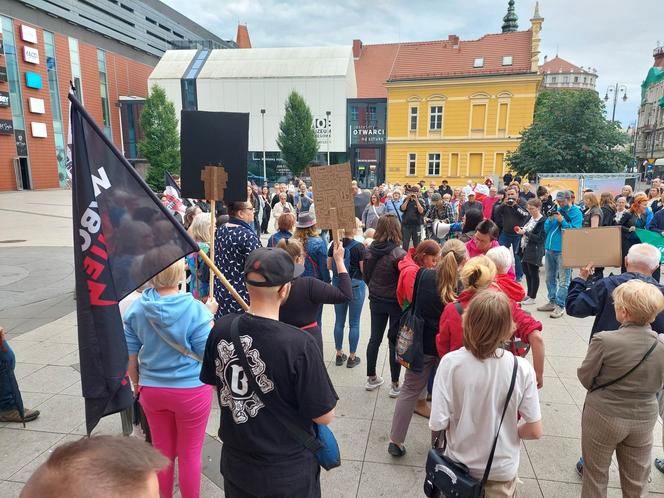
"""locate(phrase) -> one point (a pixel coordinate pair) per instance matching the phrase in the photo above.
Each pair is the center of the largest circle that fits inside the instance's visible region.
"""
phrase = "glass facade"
(13, 75)
(188, 82)
(103, 92)
(75, 68)
(367, 125)
(54, 94)
(132, 133)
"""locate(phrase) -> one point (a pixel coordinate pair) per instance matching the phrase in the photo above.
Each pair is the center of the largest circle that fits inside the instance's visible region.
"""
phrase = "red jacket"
(509, 286)
(407, 273)
(450, 328)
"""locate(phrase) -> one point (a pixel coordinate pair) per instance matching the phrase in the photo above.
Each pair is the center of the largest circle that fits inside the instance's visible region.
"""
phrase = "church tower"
(510, 20)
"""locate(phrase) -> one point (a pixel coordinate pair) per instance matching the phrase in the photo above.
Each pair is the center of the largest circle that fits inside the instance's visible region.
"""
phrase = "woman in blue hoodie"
(166, 332)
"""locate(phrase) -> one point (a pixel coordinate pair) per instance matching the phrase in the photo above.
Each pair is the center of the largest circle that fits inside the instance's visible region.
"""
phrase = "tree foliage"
(570, 134)
(161, 142)
(297, 139)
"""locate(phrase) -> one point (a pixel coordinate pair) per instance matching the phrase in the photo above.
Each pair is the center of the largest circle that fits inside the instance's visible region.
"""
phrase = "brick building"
(107, 50)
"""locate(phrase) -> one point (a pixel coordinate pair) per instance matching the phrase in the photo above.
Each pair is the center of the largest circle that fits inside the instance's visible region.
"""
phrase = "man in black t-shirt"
(412, 218)
(259, 456)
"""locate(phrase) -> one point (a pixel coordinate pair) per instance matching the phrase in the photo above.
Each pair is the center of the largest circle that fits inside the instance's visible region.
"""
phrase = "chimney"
(454, 40)
(242, 37)
(357, 49)
(658, 55)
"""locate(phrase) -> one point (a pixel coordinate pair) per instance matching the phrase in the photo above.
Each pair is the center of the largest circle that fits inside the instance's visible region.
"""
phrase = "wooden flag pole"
(213, 229)
(223, 280)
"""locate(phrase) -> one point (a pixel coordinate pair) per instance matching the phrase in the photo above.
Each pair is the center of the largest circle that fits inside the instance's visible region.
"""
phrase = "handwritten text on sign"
(332, 189)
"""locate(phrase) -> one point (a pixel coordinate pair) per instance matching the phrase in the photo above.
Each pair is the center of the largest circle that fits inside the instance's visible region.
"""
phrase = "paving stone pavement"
(47, 361)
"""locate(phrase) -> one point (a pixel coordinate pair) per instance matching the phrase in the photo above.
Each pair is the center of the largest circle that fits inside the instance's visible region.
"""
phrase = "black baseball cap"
(275, 265)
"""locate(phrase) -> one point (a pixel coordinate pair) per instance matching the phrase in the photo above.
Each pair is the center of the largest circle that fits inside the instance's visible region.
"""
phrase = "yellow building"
(456, 108)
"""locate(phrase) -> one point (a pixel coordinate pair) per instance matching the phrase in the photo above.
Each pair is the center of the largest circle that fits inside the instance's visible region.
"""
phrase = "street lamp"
(329, 139)
(616, 91)
(264, 168)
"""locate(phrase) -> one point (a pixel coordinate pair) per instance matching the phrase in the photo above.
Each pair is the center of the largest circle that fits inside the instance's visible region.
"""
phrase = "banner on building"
(123, 236)
(214, 139)
(556, 184)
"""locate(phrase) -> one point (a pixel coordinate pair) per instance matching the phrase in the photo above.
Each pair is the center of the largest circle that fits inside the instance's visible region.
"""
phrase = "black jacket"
(608, 216)
(381, 270)
(429, 307)
(583, 301)
(657, 223)
(534, 250)
(511, 216)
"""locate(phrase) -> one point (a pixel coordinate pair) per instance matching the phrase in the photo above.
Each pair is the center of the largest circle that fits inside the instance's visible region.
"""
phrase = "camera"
(553, 211)
(510, 202)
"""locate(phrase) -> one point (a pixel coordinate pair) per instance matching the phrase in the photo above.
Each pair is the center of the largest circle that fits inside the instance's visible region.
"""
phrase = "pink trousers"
(177, 419)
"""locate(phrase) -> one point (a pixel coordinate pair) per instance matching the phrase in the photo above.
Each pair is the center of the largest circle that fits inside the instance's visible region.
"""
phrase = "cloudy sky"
(614, 37)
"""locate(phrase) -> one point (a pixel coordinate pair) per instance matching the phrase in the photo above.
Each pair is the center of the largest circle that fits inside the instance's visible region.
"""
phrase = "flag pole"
(223, 280)
(213, 227)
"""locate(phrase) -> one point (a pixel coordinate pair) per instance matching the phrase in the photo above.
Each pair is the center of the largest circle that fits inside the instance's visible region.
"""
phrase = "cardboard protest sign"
(218, 139)
(600, 246)
(333, 196)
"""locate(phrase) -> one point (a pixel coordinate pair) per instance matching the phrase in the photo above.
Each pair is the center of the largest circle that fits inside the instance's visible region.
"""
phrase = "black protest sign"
(214, 139)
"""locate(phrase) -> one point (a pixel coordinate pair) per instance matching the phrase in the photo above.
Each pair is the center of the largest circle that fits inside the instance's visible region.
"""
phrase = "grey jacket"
(612, 354)
(371, 214)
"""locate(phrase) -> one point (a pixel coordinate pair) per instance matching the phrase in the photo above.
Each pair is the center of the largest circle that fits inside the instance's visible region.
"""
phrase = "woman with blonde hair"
(476, 379)
(436, 287)
(623, 371)
(199, 280)
(592, 214)
(476, 275)
(166, 332)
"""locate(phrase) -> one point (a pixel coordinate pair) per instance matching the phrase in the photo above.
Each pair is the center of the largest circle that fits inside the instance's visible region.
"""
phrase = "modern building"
(107, 49)
(558, 74)
(258, 81)
(367, 114)
(649, 140)
(456, 108)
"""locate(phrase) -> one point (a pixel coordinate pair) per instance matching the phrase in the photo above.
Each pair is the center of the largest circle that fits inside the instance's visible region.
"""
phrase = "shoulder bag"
(610, 383)
(409, 349)
(323, 444)
(445, 477)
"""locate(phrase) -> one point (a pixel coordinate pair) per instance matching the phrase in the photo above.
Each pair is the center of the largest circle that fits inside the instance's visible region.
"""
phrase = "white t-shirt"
(467, 400)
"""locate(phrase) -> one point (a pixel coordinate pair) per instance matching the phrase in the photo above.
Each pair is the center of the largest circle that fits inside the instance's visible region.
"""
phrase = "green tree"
(161, 142)
(297, 139)
(570, 134)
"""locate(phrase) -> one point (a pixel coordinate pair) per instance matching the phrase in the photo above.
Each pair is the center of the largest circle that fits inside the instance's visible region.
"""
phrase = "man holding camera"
(562, 216)
(412, 219)
(510, 216)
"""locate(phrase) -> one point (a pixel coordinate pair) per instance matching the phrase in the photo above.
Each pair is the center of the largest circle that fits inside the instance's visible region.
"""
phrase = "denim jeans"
(557, 277)
(7, 363)
(354, 311)
(512, 241)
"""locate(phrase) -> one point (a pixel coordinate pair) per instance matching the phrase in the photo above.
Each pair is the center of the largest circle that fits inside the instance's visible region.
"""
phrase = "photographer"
(412, 219)
(510, 216)
(562, 216)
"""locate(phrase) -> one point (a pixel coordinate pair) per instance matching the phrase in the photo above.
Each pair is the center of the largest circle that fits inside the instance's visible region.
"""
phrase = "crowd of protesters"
(452, 257)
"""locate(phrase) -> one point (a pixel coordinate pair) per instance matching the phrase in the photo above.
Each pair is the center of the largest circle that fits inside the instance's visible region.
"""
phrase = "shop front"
(366, 140)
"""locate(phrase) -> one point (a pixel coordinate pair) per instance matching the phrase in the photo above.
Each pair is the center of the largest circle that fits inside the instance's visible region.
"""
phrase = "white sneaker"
(527, 301)
(395, 390)
(373, 384)
(557, 312)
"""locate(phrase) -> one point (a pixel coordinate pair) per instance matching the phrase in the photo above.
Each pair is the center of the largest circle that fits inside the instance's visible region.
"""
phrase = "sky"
(613, 37)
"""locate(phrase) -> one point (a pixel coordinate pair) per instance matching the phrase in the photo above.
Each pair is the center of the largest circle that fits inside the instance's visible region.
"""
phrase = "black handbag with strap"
(447, 478)
(409, 350)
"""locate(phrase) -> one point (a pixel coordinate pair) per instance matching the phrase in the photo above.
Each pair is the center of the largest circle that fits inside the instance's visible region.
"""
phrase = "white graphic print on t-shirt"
(235, 392)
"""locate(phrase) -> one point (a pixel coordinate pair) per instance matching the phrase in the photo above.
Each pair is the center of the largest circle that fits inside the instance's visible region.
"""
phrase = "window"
(413, 119)
(152, 21)
(13, 74)
(436, 117)
(502, 118)
(353, 114)
(75, 68)
(475, 165)
(454, 164)
(576, 79)
(412, 164)
(477, 119)
(371, 113)
(565, 79)
(478, 62)
(53, 90)
(584, 80)
(554, 79)
(103, 92)
(189, 96)
(433, 167)
(507, 60)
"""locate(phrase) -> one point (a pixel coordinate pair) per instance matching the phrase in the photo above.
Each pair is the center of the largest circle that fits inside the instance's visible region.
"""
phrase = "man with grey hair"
(587, 299)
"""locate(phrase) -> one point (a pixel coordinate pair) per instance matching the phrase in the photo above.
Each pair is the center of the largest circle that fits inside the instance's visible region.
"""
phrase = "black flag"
(123, 236)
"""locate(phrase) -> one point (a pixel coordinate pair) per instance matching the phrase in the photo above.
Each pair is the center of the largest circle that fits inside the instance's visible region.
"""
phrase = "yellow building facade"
(456, 129)
(455, 109)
